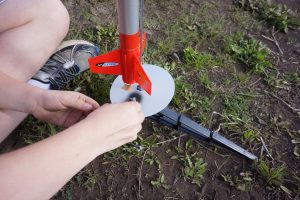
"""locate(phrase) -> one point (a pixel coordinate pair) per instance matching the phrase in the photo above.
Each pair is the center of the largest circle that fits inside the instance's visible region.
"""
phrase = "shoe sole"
(72, 42)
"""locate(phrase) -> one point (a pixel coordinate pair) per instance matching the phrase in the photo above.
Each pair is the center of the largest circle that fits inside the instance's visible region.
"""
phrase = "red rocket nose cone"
(163, 89)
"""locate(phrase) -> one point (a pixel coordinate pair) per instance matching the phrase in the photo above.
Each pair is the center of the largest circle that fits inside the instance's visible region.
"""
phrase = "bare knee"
(18, 13)
(33, 33)
(56, 19)
(51, 22)
(62, 20)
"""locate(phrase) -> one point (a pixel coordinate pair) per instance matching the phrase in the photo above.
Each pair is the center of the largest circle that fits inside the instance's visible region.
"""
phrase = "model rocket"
(157, 93)
(126, 61)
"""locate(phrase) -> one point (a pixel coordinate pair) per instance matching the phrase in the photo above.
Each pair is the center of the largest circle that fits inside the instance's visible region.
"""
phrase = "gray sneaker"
(70, 59)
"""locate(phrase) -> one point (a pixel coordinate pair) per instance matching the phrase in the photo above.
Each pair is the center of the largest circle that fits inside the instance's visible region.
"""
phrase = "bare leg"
(30, 30)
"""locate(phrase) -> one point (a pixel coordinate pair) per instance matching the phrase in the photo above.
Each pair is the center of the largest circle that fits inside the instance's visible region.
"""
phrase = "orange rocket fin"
(141, 77)
(109, 63)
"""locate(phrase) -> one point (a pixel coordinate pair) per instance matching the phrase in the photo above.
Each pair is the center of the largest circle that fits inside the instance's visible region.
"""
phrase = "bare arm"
(16, 95)
(40, 170)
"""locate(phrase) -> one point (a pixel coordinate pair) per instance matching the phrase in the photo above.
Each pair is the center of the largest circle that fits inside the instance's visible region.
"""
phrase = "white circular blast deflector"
(163, 89)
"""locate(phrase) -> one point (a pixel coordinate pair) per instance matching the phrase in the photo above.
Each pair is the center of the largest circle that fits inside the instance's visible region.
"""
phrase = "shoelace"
(64, 74)
(62, 77)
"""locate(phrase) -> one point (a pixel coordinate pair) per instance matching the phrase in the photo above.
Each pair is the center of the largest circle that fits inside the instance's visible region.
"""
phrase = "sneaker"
(70, 59)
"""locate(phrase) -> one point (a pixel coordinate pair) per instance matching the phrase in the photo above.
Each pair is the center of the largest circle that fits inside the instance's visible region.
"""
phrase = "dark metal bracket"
(171, 118)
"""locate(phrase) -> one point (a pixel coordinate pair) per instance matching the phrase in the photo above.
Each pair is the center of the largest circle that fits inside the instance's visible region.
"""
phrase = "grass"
(292, 78)
(87, 178)
(200, 27)
(199, 60)
(281, 80)
(277, 15)
(205, 108)
(67, 191)
(237, 118)
(33, 130)
(295, 136)
(236, 112)
(244, 20)
(94, 85)
(121, 156)
(237, 108)
(105, 37)
(203, 63)
(180, 87)
(186, 31)
(242, 182)
(188, 101)
(206, 82)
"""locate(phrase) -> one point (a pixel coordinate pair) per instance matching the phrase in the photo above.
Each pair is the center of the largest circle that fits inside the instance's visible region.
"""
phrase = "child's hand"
(112, 125)
(63, 108)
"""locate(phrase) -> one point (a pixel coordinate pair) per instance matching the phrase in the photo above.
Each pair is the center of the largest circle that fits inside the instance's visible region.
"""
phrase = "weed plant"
(249, 51)
(193, 166)
(160, 181)
(272, 176)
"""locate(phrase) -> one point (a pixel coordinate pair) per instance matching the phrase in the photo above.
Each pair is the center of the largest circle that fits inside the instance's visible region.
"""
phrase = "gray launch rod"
(128, 16)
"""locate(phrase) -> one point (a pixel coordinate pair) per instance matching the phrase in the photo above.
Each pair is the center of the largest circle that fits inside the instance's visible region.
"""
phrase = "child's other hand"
(62, 108)
(113, 125)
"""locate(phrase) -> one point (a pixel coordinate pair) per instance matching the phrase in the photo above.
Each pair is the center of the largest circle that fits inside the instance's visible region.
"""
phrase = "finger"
(92, 102)
(132, 133)
(141, 116)
(137, 106)
(59, 118)
(73, 117)
(121, 137)
(137, 118)
(75, 100)
(86, 113)
(82, 117)
(129, 133)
